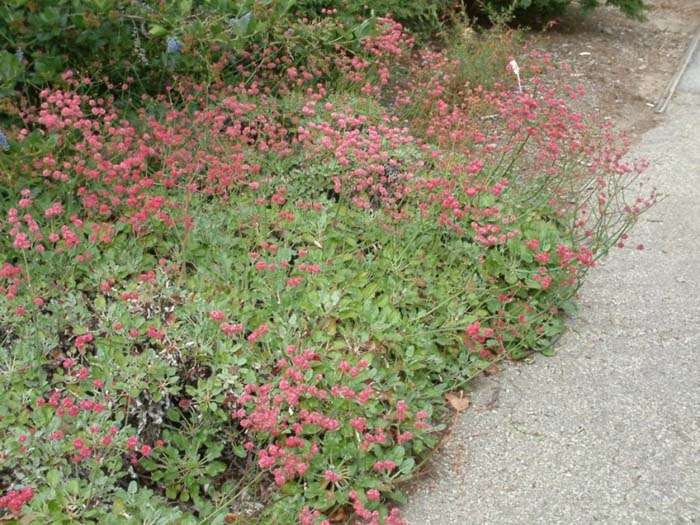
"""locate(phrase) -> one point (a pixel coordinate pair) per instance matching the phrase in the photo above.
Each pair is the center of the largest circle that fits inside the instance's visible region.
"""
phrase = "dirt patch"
(625, 65)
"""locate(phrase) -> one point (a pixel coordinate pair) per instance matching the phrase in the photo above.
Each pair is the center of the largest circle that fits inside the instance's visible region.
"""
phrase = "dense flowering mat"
(246, 304)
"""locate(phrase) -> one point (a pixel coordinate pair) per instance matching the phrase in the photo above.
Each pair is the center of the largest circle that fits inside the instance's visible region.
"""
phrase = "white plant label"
(516, 71)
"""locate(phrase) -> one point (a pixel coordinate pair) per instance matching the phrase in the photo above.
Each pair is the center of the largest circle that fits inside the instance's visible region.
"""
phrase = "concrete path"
(608, 431)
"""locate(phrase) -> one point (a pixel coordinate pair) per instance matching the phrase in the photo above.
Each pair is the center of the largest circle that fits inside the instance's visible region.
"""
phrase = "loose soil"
(625, 65)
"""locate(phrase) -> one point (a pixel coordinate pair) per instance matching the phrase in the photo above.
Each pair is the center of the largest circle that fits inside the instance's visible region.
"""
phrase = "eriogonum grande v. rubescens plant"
(245, 305)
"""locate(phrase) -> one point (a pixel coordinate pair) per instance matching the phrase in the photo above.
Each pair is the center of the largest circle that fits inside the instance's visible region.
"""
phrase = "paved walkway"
(608, 431)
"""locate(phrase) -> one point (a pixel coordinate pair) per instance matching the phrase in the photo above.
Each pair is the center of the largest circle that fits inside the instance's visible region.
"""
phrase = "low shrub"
(422, 17)
(541, 11)
(146, 44)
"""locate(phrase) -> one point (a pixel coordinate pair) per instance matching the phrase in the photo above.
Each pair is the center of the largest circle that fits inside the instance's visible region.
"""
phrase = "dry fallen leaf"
(339, 515)
(458, 402)
(491, 370)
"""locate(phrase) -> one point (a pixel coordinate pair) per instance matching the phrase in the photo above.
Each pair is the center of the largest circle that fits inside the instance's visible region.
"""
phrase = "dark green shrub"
(540, 11)
(422, 17)
(632, 8)
(151, 42)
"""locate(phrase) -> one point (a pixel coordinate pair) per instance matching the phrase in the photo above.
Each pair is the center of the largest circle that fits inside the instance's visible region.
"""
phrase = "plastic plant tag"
(516, 71)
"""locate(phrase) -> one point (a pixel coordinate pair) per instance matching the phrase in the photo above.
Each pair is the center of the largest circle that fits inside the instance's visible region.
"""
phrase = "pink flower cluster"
(14, 500)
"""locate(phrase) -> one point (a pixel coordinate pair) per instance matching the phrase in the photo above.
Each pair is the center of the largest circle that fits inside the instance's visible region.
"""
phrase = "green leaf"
(48, 68)
(365, 28)
(158, 30)
(53, 478)
(118, 507)
(103, 5)
(72, 487)
(548, 351)
(10, 68)
(398, 496)
(100, 302)
(185, 6)
(511, 278)
(240, 24)
(171, 492)
(407, 465)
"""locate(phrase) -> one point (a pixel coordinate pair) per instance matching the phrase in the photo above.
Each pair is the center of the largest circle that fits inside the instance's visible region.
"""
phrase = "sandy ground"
(625, 64)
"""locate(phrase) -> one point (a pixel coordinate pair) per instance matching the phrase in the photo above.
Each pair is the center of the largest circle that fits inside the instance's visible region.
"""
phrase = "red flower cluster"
(15, 499)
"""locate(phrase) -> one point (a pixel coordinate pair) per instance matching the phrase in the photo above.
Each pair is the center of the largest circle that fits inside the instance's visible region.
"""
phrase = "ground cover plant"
(245, 302)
